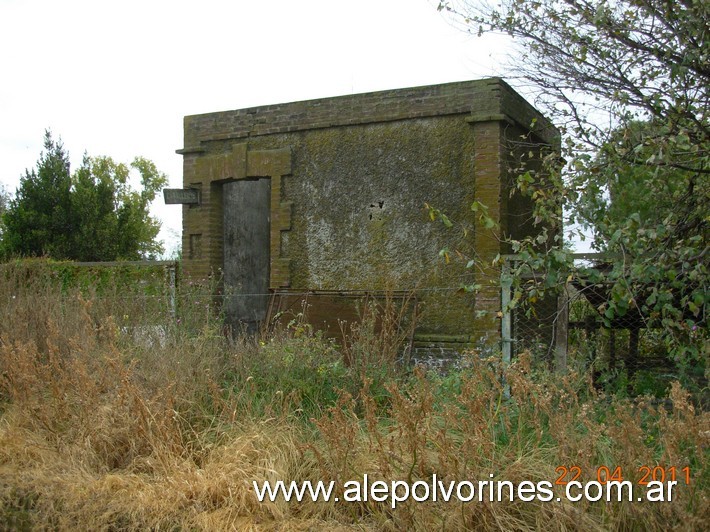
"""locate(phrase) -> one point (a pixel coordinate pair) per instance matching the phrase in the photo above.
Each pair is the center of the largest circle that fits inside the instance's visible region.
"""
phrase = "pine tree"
(38, 221)
(94, 215)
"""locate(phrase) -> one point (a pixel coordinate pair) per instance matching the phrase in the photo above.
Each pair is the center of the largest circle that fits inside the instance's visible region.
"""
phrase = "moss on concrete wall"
(350, 177)
(359, 218)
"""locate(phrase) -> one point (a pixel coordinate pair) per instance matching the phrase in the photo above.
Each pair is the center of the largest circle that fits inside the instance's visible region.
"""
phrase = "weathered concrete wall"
(349, 179)
(359, 222)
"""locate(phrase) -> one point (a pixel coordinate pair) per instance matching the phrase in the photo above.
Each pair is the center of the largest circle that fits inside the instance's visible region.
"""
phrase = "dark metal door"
(246, 252)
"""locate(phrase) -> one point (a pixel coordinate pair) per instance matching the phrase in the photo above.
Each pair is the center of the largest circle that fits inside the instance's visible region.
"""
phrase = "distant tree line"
(92, 214)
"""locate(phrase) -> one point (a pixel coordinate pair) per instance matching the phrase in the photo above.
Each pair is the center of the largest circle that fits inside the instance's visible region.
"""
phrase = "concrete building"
(322, 202)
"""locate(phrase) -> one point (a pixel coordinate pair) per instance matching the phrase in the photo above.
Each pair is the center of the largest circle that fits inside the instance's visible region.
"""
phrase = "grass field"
(104, 429)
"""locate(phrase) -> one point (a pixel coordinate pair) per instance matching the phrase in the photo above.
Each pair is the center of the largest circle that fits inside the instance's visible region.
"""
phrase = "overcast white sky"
(116, 77)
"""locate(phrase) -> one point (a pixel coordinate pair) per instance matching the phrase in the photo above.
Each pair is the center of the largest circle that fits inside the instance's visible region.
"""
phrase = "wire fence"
(570, 328)
(152, 293)
(561, 330)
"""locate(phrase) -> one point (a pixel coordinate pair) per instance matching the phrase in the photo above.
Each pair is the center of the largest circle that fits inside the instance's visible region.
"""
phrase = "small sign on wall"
(183, 196)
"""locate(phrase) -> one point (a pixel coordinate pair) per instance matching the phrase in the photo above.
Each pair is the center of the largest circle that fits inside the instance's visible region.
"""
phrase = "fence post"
(172, 275)
(506, 283)
(561, 331)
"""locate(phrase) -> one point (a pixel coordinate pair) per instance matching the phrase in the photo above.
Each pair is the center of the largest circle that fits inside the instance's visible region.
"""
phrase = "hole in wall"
(375, 209)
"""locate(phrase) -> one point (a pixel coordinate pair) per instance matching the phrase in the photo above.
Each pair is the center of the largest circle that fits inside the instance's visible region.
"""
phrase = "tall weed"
(104, 429)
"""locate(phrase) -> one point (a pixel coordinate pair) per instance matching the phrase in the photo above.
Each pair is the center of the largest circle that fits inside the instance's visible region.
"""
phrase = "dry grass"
(473, 432)
(102, 430)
